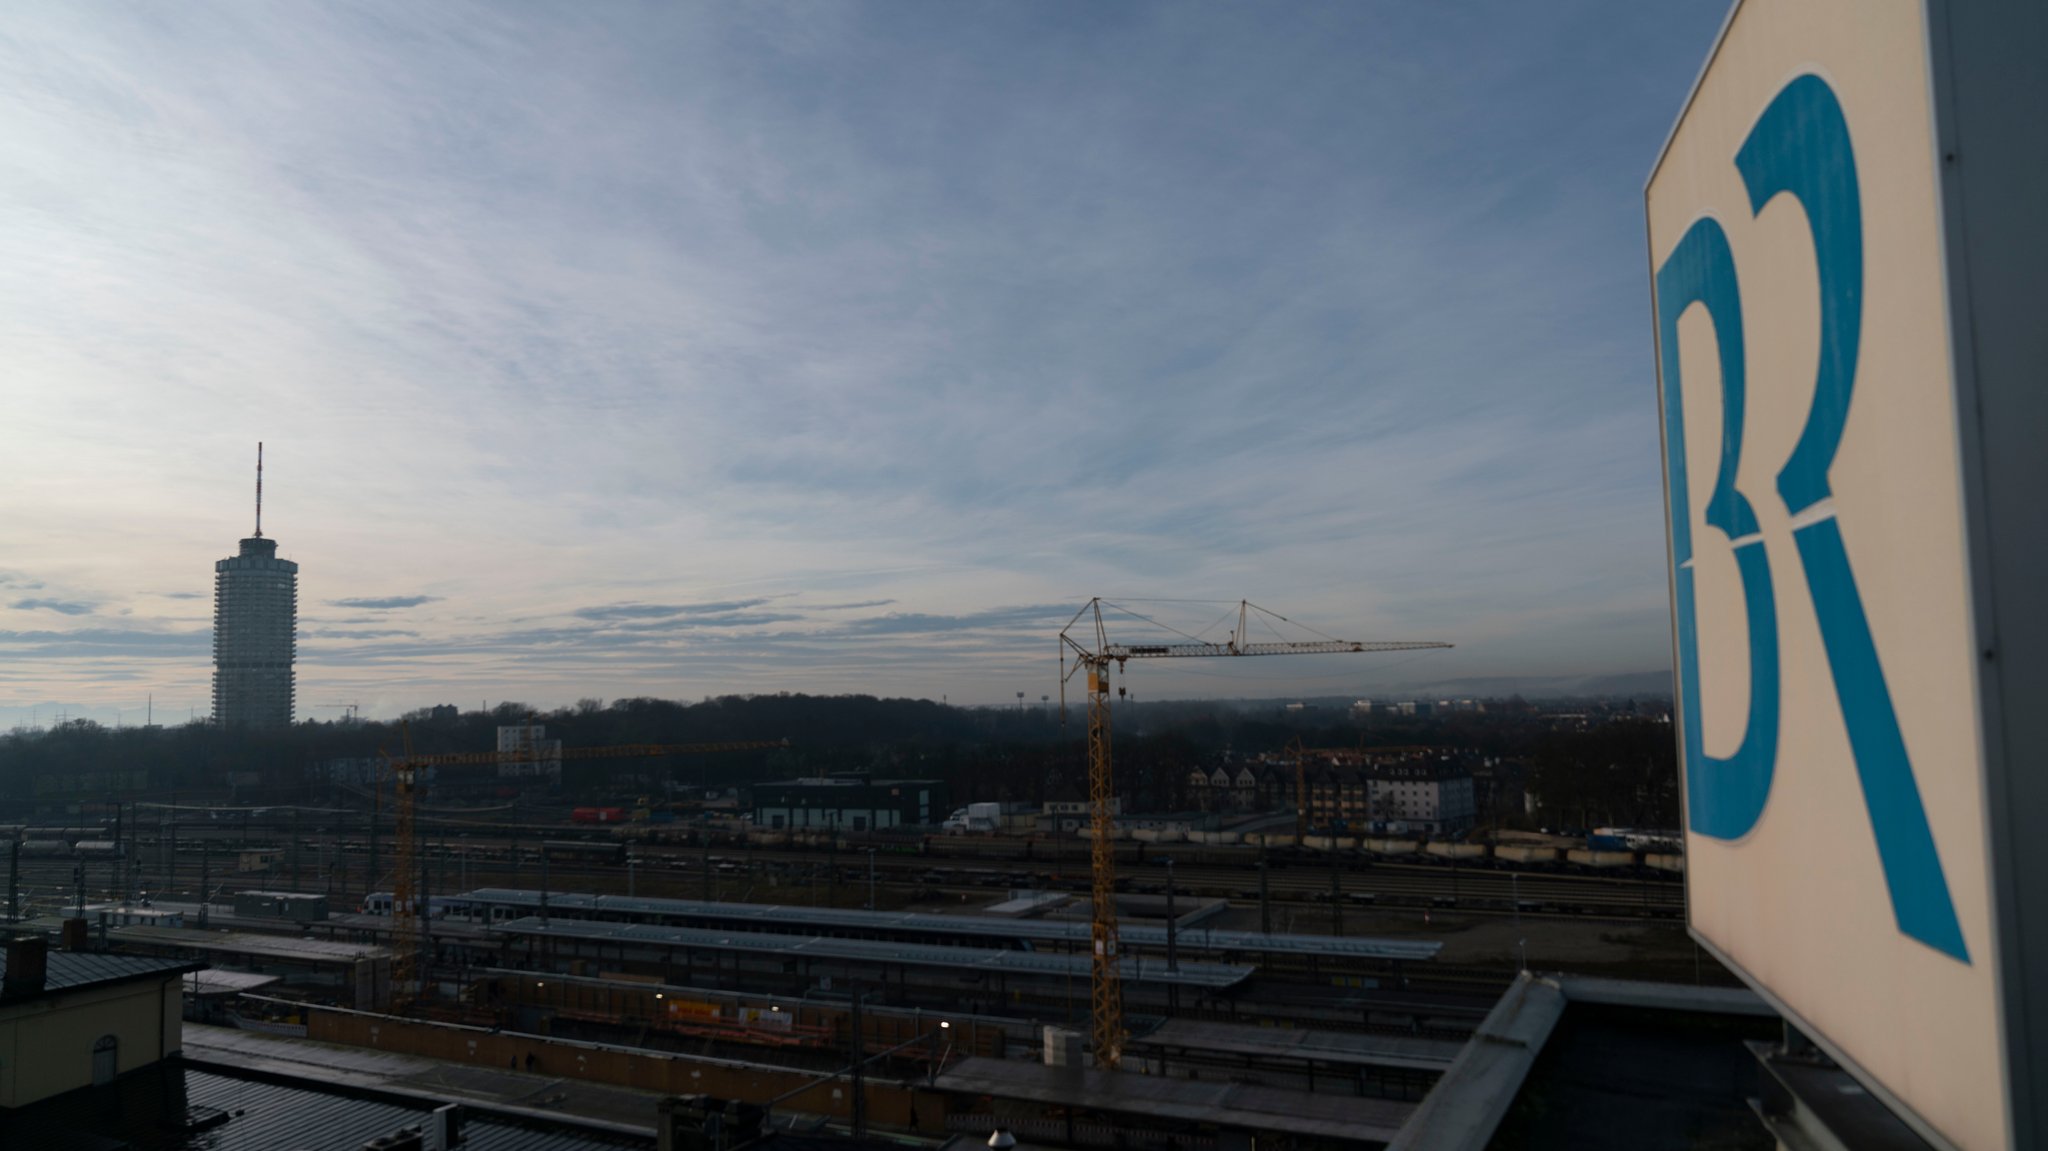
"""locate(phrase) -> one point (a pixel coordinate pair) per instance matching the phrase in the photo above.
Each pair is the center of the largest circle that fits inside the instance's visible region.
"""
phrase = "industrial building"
(849, 803)
(255, 630)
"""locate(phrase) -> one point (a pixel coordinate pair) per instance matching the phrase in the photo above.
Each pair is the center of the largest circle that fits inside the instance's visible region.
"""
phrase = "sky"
(681, 350)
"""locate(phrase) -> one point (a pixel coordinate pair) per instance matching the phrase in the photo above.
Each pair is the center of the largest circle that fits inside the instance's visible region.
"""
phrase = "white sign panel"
(1834, 782)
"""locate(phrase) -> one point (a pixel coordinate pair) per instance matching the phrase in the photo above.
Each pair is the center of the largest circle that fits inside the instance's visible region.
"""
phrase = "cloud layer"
(383, 603)
(62, 607)
(696, 349)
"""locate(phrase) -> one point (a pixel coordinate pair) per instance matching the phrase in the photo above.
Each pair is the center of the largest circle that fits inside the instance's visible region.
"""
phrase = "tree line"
(1608, 768)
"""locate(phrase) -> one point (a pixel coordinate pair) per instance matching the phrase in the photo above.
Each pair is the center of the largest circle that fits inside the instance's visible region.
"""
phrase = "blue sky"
(673, 350)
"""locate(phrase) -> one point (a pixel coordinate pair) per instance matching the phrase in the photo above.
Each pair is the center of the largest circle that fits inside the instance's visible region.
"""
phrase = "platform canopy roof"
(927, 925)
(1211, 976)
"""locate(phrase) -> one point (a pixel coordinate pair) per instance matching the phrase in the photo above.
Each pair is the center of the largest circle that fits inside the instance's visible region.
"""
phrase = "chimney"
(28, 966)
(73, 936)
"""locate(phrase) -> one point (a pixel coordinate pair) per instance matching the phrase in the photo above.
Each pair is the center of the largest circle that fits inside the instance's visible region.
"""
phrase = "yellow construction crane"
(1095, 656)
(409, 783)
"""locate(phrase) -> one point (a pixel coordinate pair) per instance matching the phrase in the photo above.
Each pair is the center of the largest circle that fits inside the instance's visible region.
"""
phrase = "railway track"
(771, 876)
(663, 844)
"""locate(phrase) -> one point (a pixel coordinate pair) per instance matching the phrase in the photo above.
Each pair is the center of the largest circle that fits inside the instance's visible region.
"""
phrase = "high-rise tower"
(255, 630)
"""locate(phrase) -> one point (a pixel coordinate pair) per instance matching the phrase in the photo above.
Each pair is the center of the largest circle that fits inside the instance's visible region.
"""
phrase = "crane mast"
(1093, 654)
(405, 912)
(1106, 996)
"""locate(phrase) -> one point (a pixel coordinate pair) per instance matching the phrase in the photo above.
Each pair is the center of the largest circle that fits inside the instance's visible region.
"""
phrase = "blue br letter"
(1724, 797)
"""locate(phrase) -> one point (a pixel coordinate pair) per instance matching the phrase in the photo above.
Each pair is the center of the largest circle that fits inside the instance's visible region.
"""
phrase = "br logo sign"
(1846, 257)
(1800, 147)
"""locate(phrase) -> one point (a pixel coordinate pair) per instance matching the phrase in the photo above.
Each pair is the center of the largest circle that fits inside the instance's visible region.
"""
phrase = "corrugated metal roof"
(72, 970)
(920, 923)
(1133, 969)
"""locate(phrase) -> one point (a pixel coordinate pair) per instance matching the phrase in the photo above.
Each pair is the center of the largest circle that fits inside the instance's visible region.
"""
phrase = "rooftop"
(419, 1080)
(78, 970)
(249, 943)
(1335, 1048)
(1637, 1065)
(1239, 1106)
(214, 981)
(182, 1106)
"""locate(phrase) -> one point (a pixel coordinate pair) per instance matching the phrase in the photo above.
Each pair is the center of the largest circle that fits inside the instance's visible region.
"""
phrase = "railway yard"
(1285, 970)
(345, 860)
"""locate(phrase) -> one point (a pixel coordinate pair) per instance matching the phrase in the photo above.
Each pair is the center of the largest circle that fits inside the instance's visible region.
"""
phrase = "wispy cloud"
(64, 607)
(1036, 617)
(658, 610)
(138, 643)
(696, 312)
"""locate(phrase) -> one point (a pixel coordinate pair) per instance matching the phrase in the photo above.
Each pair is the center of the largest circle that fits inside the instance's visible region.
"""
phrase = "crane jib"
(1121, 652)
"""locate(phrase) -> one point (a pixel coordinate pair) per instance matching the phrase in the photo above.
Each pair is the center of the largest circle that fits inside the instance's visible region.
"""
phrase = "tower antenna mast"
(259, 489)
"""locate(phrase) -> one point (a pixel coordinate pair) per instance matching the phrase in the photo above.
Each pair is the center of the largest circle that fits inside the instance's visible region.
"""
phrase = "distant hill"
(1535, 688)
(1636, 683)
